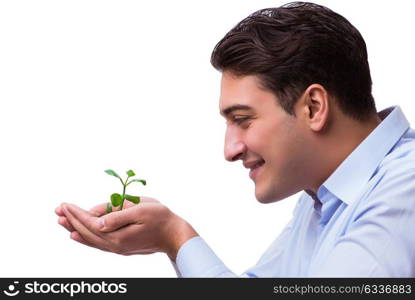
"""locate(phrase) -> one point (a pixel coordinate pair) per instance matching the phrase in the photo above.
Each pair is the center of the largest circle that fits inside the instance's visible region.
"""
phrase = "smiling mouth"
(258, 164)
(255, 169)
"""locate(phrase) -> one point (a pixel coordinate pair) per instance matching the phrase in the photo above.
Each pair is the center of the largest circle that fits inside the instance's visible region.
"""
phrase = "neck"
(343, 137)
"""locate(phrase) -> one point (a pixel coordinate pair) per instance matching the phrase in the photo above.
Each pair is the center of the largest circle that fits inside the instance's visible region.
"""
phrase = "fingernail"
(101, 222)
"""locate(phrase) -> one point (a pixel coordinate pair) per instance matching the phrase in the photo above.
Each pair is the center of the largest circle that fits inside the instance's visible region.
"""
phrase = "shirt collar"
(347, 181)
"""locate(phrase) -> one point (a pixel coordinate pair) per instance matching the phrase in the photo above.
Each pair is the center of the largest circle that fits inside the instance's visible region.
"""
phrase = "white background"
(91, 85)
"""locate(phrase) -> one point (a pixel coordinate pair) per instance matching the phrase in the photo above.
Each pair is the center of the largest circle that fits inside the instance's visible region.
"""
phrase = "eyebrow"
(232, 108)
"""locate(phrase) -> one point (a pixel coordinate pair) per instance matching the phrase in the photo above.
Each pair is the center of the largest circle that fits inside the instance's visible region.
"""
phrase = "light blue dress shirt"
(362, 223)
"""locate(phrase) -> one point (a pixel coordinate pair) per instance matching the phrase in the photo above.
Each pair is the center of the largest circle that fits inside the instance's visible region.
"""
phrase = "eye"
(240, 120)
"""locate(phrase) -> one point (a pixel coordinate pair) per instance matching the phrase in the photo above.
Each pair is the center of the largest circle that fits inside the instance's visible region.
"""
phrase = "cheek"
(289, 156)
(261, 138)
(284, 150)
(278, 143)
(258, 145)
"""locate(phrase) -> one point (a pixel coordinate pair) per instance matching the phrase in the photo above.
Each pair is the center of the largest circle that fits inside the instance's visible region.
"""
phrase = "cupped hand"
(142, 228)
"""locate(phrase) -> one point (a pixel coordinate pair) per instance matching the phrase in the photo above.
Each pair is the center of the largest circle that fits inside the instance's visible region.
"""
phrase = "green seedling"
(117, 199)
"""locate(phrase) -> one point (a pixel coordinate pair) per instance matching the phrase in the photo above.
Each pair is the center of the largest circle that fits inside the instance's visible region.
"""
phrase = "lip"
(254, 172)
(250, 164)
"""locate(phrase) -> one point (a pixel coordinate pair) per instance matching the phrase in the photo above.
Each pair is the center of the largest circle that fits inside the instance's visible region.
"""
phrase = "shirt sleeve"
(380, 240)
(196, 259)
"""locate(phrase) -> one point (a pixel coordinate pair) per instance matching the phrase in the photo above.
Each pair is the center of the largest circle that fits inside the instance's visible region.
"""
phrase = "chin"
(272, 195)
(268, 198)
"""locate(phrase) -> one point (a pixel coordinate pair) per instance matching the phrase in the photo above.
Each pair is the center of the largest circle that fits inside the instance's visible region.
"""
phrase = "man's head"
(303, 70)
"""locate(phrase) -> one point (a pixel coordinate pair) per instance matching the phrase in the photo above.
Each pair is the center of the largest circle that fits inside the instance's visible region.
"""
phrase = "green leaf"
(112, 173)
(130, 173)
(116, 199)
(138, 180)
(109, 207)
(134, 199)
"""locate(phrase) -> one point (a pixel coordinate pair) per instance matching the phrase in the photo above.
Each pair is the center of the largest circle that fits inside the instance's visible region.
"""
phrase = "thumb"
(118, 219)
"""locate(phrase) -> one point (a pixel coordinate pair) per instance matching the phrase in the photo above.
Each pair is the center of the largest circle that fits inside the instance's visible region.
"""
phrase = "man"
(296, 94)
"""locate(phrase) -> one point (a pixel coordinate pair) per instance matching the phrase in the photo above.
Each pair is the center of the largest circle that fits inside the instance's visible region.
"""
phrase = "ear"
(314, 107)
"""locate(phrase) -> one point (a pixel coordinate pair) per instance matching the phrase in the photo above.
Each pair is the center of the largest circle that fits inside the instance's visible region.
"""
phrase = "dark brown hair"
(298, 44)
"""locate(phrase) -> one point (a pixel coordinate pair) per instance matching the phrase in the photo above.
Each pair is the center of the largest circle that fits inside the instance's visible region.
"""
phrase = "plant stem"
(123, 195)
(124, 184)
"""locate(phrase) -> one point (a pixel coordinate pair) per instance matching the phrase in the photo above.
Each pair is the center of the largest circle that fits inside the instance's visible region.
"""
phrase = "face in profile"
(259, 132)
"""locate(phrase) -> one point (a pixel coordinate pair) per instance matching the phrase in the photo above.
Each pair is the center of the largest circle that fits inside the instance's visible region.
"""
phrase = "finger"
(59, 211)
(148, 200)
(85, 218)
(99, 210)
(65, 223)
(78, 238)
(119, 219)
(81, 228)
(128, 204)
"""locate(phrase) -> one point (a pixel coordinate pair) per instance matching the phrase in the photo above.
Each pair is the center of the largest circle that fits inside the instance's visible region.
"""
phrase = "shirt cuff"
(179, 275)
(196, 259)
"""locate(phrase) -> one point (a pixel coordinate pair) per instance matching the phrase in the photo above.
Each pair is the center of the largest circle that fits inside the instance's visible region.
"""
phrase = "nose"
(234, 145)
